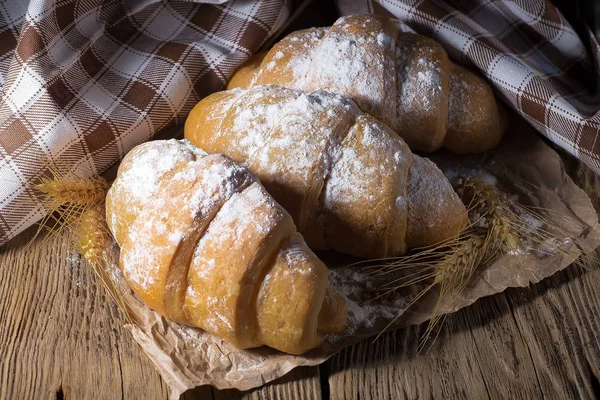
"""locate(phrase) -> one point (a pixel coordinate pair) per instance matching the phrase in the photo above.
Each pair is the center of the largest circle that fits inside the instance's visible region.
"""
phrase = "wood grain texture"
(61, 336)
(301, 383)
(540, 342)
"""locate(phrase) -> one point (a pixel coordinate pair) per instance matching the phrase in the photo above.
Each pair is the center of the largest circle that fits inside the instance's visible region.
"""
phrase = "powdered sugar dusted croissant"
(348, 181)
(204, 244)
(403, 79)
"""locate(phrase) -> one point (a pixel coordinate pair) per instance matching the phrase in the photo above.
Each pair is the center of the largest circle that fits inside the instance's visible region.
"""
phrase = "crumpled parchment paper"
(523, 166)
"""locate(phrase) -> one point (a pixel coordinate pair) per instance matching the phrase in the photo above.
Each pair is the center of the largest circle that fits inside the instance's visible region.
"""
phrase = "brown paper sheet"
(523, 166)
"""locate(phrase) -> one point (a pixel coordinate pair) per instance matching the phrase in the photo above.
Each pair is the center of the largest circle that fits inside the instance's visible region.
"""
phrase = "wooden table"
(62, 337)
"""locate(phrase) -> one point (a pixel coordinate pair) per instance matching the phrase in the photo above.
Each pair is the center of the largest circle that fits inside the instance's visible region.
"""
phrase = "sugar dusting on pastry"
(246, 218)
(298, 65)
(419, 90)
(401, 78)
(340, 173)
(273, 122)
(426, 191)
(285, 130)
(348, 162)
(138, 182)
(281, 128)
(154, 160)
(461, 99)
(342, 65)
(207, 183)
(470, 102)
(338, 60)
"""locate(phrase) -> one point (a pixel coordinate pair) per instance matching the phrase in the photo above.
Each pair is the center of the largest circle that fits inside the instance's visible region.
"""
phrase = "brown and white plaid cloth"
(83, 81)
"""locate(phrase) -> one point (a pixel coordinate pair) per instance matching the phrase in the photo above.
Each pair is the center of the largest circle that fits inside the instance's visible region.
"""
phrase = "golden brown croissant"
(349, 182)
(204, 244)
(403, 79)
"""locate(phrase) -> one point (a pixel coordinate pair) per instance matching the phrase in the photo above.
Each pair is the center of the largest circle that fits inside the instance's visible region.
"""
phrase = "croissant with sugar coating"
(204, 244)
(348, 181)
(403, 79)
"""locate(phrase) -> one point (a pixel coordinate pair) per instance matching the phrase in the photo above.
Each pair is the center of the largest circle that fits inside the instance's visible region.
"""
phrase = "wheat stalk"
(497, 226)
(73, 190)
(92, 240)
(453, 274)
(459, 265)
(494, 209)
(91, 234)
(504, 218)
(65, 196)
(76, 205)
(450, 269)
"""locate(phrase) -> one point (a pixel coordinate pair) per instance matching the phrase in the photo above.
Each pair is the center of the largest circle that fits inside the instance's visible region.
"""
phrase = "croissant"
(348, 181)
(403, 79)
(203, 244)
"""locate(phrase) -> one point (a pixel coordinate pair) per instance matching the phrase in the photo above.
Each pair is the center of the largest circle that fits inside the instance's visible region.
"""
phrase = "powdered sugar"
(218, 182)
(236, 217)
(355, 58)
(266, 140)
(198, 188)
(298, 47)
(300, 143)
(456, 171)
(464, 111)
(140, 175)
(335, 59)
(358, 164)
(350, 64)
(420, 89)
(286, 138)
(369, 169)
(153, 160)
(385, 40)
(353, 283)
(430, 193)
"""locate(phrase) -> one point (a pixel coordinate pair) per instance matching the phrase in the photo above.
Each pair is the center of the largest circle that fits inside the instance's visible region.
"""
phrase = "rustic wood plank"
(531, 343)
(586, 308)
(498, 348)
(391, 368)
(61, 336)
(559, 321)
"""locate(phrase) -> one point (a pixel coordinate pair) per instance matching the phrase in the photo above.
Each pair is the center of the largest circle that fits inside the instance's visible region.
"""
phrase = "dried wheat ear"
(76, 211)
(498, 226)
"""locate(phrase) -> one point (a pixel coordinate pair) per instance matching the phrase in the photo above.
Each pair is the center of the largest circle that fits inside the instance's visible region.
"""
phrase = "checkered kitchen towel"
(526, 49)
(83, 81)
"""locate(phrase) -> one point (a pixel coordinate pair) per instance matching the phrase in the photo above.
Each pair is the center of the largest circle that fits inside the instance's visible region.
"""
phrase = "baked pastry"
(403, 79)
(204, 244)
(348, 181)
